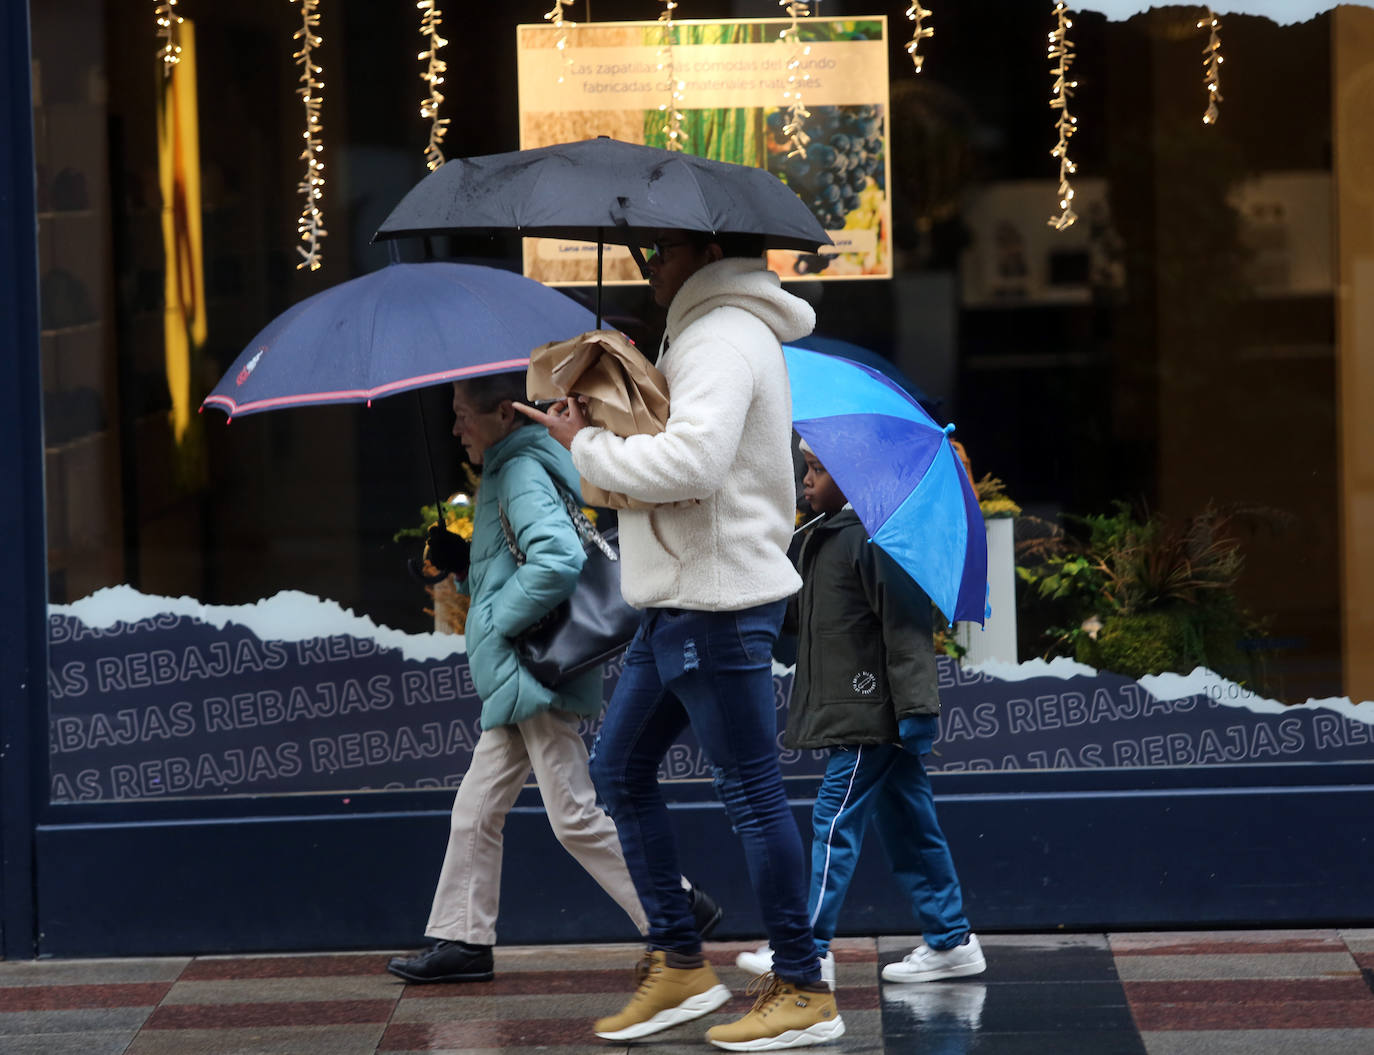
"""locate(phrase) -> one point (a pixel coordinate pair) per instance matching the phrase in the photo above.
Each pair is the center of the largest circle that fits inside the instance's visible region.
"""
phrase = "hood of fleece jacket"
(738, 282)
(533, 441)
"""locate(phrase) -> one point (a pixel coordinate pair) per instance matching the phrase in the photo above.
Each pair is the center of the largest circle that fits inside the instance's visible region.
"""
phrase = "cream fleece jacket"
(726, 448)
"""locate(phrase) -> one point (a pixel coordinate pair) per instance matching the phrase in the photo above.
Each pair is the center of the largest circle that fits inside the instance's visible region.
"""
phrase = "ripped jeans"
(714, 670)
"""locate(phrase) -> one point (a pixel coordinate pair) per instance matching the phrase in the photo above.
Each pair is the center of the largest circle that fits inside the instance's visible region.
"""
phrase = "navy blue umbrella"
(404, 327)
(407, 326)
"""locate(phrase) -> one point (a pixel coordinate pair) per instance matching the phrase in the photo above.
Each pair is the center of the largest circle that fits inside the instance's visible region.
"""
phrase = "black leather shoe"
(447, 961)
(705, 911)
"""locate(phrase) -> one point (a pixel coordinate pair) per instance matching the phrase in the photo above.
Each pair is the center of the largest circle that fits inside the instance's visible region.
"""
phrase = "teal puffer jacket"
(518, 474)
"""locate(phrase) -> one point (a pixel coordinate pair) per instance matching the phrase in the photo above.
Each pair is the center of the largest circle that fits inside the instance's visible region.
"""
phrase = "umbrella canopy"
(406, 326)
(896, 467)
(845, 350)
(603, 190)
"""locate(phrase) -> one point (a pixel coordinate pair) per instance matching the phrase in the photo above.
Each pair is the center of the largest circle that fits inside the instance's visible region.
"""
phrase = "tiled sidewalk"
(1221, 993)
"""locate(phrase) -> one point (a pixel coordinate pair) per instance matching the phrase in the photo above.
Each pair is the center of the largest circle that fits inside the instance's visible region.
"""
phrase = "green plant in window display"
(1143, 595)
(993, 500)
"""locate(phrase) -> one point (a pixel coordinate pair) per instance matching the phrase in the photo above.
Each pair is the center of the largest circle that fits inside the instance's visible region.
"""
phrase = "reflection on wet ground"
(1180, 993)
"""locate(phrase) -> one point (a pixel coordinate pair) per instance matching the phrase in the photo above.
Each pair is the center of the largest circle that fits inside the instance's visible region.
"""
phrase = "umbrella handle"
(418, 572)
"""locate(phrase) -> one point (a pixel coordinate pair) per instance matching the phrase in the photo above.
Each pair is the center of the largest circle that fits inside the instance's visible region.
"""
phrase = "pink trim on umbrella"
(233, 407)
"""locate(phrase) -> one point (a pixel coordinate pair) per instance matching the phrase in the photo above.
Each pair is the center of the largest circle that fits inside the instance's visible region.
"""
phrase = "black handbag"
(594, 624)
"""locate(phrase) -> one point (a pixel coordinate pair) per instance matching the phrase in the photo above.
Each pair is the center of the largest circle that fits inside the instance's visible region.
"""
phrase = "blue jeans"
(714, 670)
(888, 784)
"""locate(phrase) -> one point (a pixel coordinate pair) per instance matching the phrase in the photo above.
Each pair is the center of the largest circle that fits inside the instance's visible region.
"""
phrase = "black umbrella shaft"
(600, 254)
(429, 457)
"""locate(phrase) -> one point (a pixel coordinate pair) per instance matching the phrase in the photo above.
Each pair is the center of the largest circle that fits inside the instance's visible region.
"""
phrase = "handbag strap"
(582, 524)
(510, 536)
(586, 530)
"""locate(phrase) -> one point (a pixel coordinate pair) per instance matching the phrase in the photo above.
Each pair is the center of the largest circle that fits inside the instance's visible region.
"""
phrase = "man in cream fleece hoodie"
(709, 568)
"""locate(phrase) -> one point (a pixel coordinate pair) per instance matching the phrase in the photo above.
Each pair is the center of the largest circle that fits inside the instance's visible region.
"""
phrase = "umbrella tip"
(949, 428)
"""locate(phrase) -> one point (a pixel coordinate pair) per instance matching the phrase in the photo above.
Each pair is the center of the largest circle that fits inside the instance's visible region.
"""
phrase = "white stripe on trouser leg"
(825, 872)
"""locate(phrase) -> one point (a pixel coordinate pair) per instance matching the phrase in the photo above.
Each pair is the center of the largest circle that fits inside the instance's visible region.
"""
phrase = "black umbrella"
(602, 190)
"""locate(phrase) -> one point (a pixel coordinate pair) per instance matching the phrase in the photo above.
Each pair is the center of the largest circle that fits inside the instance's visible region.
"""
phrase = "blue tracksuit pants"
(890, 785)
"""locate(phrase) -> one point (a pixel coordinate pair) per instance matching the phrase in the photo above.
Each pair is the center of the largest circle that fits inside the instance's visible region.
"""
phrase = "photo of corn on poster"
(616, 79)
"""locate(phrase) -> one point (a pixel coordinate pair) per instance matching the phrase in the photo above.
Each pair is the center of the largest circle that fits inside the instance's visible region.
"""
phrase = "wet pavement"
(1288, 992)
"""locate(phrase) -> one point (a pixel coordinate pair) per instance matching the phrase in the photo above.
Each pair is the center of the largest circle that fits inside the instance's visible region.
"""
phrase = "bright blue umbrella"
(845, 350)
(898, 470)
(403, 327)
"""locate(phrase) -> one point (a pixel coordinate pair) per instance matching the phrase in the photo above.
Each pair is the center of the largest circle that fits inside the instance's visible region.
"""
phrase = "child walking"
(865, 688)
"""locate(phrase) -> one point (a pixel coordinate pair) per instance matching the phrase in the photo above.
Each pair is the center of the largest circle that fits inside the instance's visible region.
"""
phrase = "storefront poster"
(155, 698)
(609, 79)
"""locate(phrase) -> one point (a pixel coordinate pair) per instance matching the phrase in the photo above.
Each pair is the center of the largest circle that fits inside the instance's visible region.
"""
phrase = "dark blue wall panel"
(22, 554)
(1029, 862)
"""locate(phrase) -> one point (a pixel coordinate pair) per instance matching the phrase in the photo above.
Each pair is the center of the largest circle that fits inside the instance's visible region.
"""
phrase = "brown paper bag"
(625, 393)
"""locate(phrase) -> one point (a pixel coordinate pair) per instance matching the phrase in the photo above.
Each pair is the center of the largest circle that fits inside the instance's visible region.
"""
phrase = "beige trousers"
(467, 897)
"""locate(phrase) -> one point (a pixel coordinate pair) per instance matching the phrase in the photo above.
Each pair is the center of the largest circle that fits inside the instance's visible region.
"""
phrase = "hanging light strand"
(919, 31)
(430, 21)
(674, 137)
(795, 126)
(311, 224)
(1211, 65)
(554, 16)
(164, 13)
(1061, 58)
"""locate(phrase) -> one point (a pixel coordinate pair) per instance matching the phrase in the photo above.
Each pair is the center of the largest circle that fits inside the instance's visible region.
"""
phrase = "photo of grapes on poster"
(732, 77)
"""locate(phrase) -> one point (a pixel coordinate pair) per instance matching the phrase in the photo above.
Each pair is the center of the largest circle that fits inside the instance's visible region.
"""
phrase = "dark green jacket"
(865, 659)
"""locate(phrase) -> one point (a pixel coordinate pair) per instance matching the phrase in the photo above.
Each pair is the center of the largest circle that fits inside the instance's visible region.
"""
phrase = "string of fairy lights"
(435, 68)
(917, 15)
(1061, 58)
(674, 138)
(166, 18)
(554, 16)
(1211, 65)
(794, 126)
(310, 227)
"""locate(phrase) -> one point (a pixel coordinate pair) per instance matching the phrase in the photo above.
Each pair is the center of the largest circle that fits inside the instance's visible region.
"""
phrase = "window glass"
(1158, 389)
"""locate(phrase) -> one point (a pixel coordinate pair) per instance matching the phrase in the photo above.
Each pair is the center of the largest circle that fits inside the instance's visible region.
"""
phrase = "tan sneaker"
(782, 1017)
(665, 997)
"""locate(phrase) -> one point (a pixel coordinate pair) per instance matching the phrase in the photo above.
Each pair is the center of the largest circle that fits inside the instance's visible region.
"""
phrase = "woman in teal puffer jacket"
(525, 724)
(519, 474)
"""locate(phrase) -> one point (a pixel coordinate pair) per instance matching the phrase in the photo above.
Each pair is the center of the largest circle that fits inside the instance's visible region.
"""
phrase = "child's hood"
(846, 517)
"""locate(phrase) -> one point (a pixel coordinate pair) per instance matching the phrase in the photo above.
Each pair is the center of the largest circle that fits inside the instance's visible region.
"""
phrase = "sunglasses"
(660, 249)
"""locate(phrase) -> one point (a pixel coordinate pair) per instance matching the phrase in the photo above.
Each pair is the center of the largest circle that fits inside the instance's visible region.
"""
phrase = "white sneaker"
(760, 961)
(925, 964)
